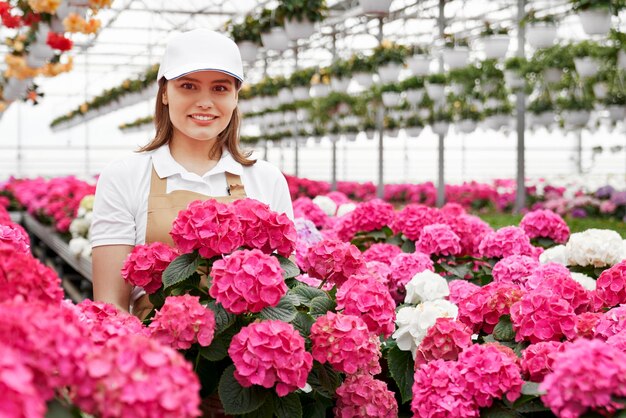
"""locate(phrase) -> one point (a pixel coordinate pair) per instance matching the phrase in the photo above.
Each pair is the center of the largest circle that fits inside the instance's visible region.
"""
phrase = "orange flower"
(91, 27)
(74, 23)
(99, 4)
(44, 6)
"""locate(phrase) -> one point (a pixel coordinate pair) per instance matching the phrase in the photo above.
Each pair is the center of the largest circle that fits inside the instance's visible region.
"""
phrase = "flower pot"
(457, 57)
(248, 50)
(389, 73)
(576, 118)
(436, 92)
(423, 113)
(600, 90)
(339, 85)
(440, 127)
(319, 90)
(370, 134)
(285, 96)
(595, 21)
(513, 80)
(375, 7)
(413, 131)
(303, 114)
(365, 80)
(333, 138)
(552, 75)
(392, 133)
(466, 126)
(419, 65)
(544, 118)
(300, 93)
(275, 39)
(586, 67)
(299, 30)
(617, 113)
(540, 35)
(414, 96)
(391, 98)
(496, 46)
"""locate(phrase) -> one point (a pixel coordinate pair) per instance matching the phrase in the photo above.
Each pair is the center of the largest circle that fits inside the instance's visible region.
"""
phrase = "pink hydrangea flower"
(588, 375)
(557, 278)
(343, 228)
(313, 282)
(618, 340)
(542, 315)
(265, 229)
(105, 321)
(338, 197)
(363, 295)
(403, 267)
(611, 322)
(453, 209)
(461, 289)
(145, 265)
(25, 277)
(507, 241)
(307, 235)
(18, 395)
(544, 223)
(365, 397)
(514, 269)
(441, 391)
(210, 227)
(586, 324)
(334, 261)
(482, 310)
(381, 252)
(611, 285)
(372, 215)
(15, 237)
(270, 353)
(412, 219)
(303, 207)
(438, 239)
(471, 230)
(247, 281)
(133, 376)
(537, 359)
(345, 342)
(380, 271)
(444, 340)
(183, 321)
(490, 374)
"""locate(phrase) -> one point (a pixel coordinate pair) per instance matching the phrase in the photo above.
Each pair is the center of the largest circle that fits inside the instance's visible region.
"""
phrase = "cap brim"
(179, 72)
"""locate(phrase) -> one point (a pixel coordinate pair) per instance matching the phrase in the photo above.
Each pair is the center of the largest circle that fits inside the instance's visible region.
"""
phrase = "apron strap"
(235, 186)
(157, 184)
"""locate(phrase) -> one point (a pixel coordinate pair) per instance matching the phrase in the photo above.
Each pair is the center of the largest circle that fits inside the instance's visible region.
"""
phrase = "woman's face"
(200, 104)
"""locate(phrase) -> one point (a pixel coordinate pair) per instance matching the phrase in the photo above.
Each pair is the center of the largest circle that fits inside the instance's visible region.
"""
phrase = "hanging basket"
(248, 51)
(466, 126)
(392, 133)
(339, 85)
(457, 57)
(440, 128)
(299, 30)
(370, 134)
(586, 67)
(544, 118)
(413, 131)
(350, 136)
(414, 96)
(319, 90)
(300, 93)
(496, 46)
(419, 65)
(389, 73)
(617, 113)
(285, 96)
(552, 75)
(600, 90)
(540, 35)
(595, 21)
(375, 7)
(276, 39)
(365, 80)
(436, 92)
(391, 98)
(513, 80)
(576, 118)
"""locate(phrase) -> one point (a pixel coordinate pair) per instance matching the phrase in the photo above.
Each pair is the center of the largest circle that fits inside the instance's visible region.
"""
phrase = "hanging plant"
(301, 78)
(412, 83)
(248, 30)
(489, 30)
(340, 69)
(269, 19)
(361, 64)
(300, 10)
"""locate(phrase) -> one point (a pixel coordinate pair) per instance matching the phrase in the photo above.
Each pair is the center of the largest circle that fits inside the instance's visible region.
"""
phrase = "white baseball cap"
(200, 50)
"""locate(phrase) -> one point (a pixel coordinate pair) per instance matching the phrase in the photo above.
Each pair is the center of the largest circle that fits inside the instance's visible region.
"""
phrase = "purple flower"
(605, 192)
(579, 213)
(619, 198)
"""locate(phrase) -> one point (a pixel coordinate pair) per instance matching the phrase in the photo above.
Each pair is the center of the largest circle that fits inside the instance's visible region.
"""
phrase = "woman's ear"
(164, 98)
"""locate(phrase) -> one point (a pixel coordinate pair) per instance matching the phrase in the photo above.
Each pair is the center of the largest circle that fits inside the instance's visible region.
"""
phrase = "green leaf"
(387, 231)
(223, 318)
(265, 411)
(288, 406)
(180, 269)
(307, 293)
(316, 410)
(401, 368)
(236, 399)
(218, 349)
(56, 409)
(408, 246)
(320, 305)
(498, 411)
(284, 311)
(302, 323)
(459, 271)
(529, 404)
(531, 388)
(324, 379)
(290, 269)
(503, 330)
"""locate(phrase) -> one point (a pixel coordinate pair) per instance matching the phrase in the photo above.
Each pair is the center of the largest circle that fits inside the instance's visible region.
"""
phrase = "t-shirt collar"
(165, 165)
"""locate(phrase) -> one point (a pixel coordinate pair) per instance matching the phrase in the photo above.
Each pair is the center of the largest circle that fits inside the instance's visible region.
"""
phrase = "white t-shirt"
(120, 212)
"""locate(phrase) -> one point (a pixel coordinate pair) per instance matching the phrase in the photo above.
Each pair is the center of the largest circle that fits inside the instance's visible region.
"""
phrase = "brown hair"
(228, 138)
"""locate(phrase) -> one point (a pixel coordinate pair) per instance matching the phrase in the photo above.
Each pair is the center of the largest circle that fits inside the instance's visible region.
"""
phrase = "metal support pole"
(86, 124)
(520, 195)
(380, 117)
(333, 172)
(441, 185)
(296, 152)
(579, 151)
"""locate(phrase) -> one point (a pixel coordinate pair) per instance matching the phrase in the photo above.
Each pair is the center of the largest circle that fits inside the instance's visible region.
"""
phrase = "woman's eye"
(221, 88)
(187, 86)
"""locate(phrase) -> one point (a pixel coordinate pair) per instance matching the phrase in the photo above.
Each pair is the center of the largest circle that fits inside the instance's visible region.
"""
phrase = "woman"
(194, 155)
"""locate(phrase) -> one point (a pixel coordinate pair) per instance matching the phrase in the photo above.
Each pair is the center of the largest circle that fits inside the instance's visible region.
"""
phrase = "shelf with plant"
(248, 30)
(311, 10)
(442, 114)
(574, 103)
(504, 108)
(301, 78)
(557, 56)
(489, 30)
(532, 18)
(517, 64)
(389, 53)
(413, 121)
(541, 104)
(614, 6)
(359, 63)
(340, 69)
(463, 110)
(418, 50)
(451, 41)
(147, 120)
(412, 83)
(467, 76)
(438, 78)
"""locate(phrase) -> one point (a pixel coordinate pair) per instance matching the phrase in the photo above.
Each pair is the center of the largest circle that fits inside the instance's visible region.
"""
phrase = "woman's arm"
(108, 284)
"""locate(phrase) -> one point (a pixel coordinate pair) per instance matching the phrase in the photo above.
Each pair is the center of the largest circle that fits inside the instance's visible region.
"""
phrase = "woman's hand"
(108, 284)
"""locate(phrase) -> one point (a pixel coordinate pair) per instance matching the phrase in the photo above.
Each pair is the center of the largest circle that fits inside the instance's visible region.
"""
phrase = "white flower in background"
(556, 254)
(425, 286)
(345, 209)
(86, 251)
(88, 217)
(87, 202)
(77, 246)
(587, 282)
(413, 322)
(79, 227)
(327, 204)
(595, 247)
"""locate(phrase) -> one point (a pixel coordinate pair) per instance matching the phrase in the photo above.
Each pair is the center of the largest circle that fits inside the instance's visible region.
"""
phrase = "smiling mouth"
(203, 117)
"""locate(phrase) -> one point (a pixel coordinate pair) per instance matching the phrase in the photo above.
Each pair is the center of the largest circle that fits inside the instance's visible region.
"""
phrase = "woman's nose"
(205, 101)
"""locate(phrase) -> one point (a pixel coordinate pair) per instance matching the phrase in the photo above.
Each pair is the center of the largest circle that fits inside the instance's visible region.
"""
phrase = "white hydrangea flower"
(79, 227)
(327, 204)
(595, 247)
(87, 202)
(556, 254)
(345, 209)
(414, 322)
(425, 286)
(77, 246)
(88, 217)
(587, 282)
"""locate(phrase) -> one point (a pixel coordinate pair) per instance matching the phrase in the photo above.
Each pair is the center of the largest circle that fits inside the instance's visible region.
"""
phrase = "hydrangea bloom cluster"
(363, 295)
(558, 279)
(438, 239)
(380, 271)
(334, 261)
(118, 373)
(25, 277)
(444, 340)
(586, 324)
(328, 205)
(461, 289)
(247, 281)
(514, 269)
(372, 215)
(412, 219)
(19, 397)
(618, 340)
(345, 342)
(183, 321)
(542, 315)
(265, 229)
(482, 310)
(440, 391)
(537, 359)
(382, 252)
(594, 247)
(105, 321)
(303, 207)
(587, 376)
(612, 322)
(208, 226)
(145, 265)
(507, 241)
(270, 353)
(307, 235)
(611, 285)
(544, 223)
(363, 396)
(452, 209)
(424, 286)
(15, 237)
(471, 230)
(556, 254)
(403, 267)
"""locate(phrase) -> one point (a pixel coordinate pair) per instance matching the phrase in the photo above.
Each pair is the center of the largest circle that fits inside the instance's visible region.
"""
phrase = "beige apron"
(163, 208)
